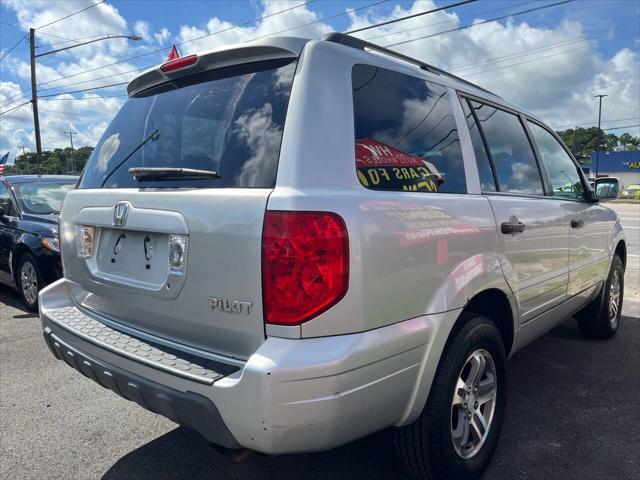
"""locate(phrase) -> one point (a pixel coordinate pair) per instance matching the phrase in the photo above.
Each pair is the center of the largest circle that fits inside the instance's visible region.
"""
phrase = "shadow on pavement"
(562, 422)
(183, 453)
(9, 296)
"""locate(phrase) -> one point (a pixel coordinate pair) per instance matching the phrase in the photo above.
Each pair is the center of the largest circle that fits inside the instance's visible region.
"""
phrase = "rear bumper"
(289, 396)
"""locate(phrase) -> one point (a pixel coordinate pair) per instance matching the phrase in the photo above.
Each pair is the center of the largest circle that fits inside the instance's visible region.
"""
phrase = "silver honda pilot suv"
(290, 244)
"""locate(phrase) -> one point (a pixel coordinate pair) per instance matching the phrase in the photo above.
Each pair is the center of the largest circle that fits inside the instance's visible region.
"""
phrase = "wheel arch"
(493, 303)
(17, 253)
(496, 305)
(621, 251)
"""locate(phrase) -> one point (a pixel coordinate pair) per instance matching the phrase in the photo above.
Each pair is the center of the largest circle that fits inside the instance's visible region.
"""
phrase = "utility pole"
(24, 157)
(73, 163)
(599, 97)
(34, 94)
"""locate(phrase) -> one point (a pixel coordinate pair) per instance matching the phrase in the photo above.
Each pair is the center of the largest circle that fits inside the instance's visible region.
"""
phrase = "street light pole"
(598, 146)
(34, 93)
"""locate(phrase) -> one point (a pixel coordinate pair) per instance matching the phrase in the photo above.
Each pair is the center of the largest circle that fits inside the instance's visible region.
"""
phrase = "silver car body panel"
(368, 362)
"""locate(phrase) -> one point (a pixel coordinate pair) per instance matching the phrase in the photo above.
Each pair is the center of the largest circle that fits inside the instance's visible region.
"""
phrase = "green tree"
(628, 142)
(56, 162)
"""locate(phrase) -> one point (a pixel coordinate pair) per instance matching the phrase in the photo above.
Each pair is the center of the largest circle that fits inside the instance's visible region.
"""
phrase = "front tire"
(601, 318)
(29, 281)
(457, 432)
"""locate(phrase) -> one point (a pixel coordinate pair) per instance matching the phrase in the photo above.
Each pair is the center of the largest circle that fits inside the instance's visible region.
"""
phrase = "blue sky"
(550, 61)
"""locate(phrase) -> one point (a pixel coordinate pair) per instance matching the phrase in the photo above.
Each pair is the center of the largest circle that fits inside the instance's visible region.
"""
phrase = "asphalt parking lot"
(572, 413)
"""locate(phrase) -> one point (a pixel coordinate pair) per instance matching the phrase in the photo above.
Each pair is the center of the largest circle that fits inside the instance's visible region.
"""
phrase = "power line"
(576, 87)
(180, 44)
(15, 108)
(368, 39)
(83, 90)
(388, 22)
(620, 128)
(594, 123)
(480, 72)
(71, 14)
(14, 47)
(95, 79)
(480, 23)
(591, 35)
(84, 98)
(322, 19)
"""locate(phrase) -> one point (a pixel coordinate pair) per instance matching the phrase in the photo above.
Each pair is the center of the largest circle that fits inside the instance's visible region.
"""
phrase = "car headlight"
(51, 243)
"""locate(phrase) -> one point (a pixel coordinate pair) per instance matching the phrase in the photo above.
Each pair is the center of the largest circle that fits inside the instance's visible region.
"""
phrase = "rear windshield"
(229, 121)
(42, 198)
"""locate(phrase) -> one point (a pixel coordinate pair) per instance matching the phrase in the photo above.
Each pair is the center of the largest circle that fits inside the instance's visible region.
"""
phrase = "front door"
(533, 228)
(589, 222)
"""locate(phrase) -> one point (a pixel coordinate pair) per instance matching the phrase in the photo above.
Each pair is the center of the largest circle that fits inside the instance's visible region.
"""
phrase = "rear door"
(180, 257)
(589, 222)
(534, 228)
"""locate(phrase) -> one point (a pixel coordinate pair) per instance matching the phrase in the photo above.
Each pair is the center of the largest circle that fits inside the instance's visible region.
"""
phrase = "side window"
(487, 180)
(5, 200)
(563, 172)
(405, 133)
(510, 150)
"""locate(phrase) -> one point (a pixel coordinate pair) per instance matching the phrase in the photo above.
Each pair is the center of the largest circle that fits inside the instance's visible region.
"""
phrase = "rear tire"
(601, 318)
(436, 445)
(29, 281)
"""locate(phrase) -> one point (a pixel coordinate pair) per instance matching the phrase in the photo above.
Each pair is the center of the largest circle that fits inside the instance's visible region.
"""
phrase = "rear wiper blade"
(142, 174)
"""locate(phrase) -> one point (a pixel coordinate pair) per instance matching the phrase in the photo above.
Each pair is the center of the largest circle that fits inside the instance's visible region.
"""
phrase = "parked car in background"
(631, 192)
(290, 244)
(29, 247)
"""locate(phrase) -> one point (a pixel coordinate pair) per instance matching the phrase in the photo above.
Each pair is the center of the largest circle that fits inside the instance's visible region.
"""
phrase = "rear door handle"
(577, 223)
(512, 227)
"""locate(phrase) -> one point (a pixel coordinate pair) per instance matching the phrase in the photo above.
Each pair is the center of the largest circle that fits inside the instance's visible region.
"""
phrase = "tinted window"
(510, 151)
(406, 136)
(42, 198)
(5, 199)
(563, 173)
(228, 120)
(487, 181)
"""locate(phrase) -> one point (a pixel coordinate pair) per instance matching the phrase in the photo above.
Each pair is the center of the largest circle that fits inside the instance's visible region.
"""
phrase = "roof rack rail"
(348, 40)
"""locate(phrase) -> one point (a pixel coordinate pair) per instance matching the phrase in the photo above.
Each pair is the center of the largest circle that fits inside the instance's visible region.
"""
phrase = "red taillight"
(305, 265)
(179, 63)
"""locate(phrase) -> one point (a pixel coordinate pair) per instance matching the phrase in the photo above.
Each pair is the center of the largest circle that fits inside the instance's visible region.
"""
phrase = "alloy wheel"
(473, 404)
(29, 282)
(614, 298)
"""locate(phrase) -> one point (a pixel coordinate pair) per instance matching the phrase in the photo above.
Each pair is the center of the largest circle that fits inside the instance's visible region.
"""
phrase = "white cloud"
(162, 36)
(142, 28)
(558, 86)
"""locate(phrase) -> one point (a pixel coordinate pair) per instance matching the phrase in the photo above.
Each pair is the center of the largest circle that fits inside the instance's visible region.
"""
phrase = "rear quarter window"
(406, 137)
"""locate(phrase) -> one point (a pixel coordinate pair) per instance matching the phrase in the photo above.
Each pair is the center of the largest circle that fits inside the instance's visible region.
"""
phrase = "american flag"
(3, 161)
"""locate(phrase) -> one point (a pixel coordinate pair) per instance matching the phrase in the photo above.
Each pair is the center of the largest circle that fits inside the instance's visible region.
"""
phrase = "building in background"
(623, 165)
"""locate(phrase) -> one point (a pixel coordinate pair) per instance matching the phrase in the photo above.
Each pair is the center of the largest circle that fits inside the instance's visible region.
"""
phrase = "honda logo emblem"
(120, 212)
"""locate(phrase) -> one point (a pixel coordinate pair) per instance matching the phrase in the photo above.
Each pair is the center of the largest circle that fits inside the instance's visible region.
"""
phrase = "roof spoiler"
(271, 49)
(349, 41)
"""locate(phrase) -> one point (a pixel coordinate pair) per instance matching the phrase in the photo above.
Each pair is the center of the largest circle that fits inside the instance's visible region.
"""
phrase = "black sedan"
(29, 248)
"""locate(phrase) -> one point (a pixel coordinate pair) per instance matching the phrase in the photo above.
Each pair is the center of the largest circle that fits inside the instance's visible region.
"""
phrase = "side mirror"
(607, 188)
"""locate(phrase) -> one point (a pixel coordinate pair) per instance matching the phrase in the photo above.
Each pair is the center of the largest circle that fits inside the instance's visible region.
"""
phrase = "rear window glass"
(405, 133)
(229, 121)
(487, 180)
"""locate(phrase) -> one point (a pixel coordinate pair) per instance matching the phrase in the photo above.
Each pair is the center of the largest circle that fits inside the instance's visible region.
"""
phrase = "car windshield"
(228, 121)
(42, 198)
